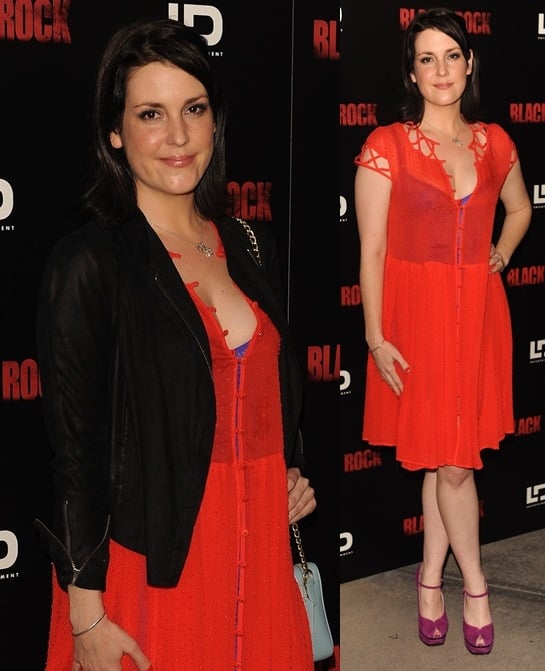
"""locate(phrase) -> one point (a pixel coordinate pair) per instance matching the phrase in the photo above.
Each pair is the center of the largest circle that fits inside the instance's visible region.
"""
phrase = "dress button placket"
(243, 497)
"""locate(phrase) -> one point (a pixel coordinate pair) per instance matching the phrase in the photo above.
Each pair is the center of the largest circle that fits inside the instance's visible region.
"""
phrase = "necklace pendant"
(457, 141)
(204, 248)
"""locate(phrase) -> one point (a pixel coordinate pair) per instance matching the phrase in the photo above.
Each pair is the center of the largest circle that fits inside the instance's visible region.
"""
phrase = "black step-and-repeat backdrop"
(279, 61)
(381, 513)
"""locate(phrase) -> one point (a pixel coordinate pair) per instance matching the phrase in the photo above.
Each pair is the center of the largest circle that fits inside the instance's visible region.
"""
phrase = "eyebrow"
(189, 101)
(432, 53)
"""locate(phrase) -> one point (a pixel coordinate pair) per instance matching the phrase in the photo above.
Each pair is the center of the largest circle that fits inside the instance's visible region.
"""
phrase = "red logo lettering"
(321, 365)
(250, 200)
(325, 39)
(20, 382)
(41, 20)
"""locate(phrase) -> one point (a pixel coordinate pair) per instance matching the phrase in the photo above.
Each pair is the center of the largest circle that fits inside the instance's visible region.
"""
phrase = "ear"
(115, 139)
(469, 68)
(413, 78)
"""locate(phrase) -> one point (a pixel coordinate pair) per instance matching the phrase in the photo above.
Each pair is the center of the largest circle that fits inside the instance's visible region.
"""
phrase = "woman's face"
(167, 130)
(440, 69)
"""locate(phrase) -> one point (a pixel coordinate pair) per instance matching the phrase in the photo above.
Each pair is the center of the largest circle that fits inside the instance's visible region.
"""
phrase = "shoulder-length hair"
(453, 25)
(111, 192)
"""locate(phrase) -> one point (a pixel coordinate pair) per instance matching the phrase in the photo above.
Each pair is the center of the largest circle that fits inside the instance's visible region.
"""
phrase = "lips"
(177, 161)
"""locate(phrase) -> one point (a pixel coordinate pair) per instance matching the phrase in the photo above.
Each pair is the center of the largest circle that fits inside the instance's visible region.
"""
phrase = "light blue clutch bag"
(309, 580)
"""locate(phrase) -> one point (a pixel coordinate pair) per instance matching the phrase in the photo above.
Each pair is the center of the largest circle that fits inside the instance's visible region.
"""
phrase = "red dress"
(441, 308)
(237, 606)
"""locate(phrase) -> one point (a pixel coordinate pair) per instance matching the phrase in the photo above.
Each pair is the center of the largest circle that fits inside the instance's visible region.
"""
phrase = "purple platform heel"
(472, 634)
(431, 632)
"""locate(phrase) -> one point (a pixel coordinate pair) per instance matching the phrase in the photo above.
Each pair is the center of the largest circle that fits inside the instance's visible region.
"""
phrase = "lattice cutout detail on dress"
(374, 161)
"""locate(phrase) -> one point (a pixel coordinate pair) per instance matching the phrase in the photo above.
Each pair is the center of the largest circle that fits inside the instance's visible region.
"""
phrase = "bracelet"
(378, 346)
(91, 626)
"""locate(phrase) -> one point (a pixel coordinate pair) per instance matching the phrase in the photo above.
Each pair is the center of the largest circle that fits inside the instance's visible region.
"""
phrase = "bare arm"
(518, 213)
(372, 200)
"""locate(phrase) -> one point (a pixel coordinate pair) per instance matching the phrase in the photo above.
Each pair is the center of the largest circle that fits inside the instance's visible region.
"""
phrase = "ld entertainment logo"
(541, 26)
(539, 194)
(345, 382)
(343, 207)
(347, 540)
(190, 12)
(6, 199)
(535, 495)
(537, 351)
(12, 549)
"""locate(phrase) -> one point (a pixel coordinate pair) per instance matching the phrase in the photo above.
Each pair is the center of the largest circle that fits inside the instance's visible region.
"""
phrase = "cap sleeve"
(378, 151)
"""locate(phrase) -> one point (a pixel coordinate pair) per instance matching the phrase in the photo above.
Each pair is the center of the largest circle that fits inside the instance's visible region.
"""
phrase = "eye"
(148, 114)
(197, 109)
(425, 60)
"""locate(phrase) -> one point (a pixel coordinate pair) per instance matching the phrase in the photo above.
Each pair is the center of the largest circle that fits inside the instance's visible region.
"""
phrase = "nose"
(177, 131)
(442, 67)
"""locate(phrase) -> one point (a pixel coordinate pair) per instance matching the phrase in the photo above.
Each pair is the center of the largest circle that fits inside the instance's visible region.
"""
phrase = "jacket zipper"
(169, 299)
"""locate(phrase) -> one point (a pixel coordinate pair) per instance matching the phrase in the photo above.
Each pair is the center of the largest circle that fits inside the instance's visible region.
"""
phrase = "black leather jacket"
(128, 394)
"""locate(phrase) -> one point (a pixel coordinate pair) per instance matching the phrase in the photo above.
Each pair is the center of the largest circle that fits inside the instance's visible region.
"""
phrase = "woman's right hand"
(102, 648)
(386, 356)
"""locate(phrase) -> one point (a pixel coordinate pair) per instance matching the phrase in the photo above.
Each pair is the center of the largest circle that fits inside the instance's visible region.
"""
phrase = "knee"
(454, 476)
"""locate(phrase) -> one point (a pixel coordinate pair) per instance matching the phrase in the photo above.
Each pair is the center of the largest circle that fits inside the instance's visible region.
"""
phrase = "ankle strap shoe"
(431, 632)
(473, 634)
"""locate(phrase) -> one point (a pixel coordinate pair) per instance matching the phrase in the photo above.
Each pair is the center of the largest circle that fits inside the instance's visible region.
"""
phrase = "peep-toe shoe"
(431, 632)
(472, 634)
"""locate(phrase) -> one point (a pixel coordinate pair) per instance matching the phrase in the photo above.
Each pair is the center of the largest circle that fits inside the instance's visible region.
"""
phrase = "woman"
(436, 316)
(171, 393)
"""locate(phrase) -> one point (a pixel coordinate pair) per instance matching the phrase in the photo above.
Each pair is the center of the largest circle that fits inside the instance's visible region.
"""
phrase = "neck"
(451, 128)
(175, 213)
(453, 134)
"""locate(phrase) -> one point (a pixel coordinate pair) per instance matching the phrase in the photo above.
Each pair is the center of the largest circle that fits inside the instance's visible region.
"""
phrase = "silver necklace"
(456, 140)
(201, 246)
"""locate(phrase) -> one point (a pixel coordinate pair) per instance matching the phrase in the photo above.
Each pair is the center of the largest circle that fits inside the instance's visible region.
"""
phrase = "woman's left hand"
(496, 261)
(301, 499)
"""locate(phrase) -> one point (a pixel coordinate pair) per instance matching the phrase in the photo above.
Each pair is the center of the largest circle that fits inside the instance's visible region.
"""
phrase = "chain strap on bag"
(306, 573)
(309, 581)
(251, 237)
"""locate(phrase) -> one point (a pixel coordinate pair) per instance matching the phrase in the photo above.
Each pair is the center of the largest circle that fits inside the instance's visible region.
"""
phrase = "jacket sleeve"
(75, 347)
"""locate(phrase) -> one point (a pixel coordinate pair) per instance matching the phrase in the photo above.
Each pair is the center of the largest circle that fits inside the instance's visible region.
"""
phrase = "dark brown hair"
(111, 194)
(453, 25)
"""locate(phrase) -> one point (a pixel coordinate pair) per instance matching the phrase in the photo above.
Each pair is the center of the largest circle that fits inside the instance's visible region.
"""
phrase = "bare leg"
(459, 509)
(436, 544)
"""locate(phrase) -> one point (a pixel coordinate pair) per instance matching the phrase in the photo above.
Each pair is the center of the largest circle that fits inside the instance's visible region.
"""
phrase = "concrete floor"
(379, 618)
